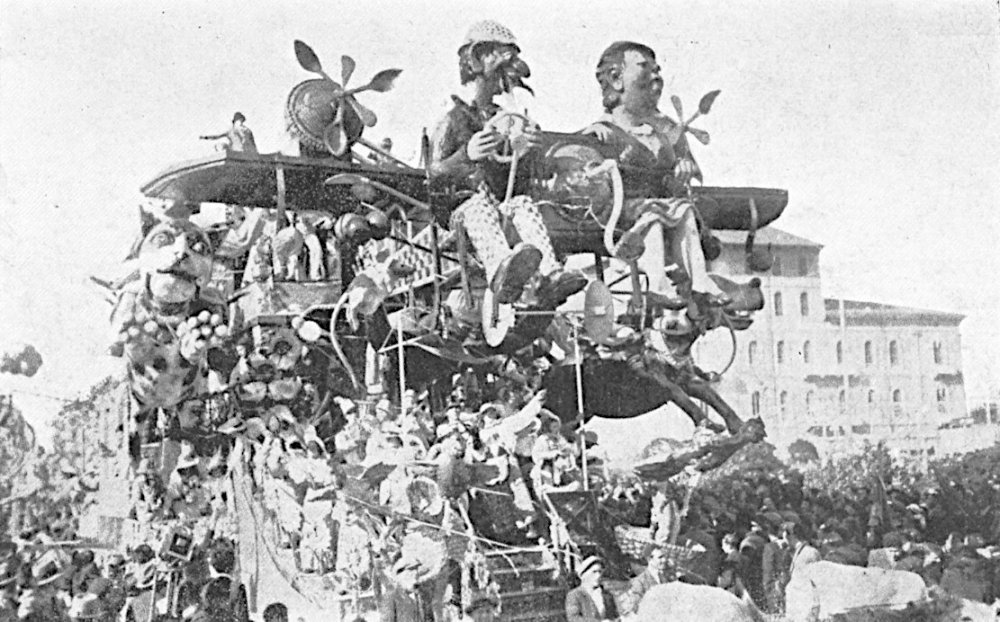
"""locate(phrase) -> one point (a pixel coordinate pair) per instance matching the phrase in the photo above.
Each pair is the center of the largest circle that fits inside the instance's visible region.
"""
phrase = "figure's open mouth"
(179, 274)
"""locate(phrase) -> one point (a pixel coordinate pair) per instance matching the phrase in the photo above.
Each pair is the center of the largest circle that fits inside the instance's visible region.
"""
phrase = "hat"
(790, 517)
(588, 564)
(238, 117)
(545, 416)
(489, 31)
(770, 519)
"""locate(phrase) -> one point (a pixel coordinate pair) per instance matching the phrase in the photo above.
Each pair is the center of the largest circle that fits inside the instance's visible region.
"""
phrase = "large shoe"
(514, 273)
(557, 287)
(717, 300)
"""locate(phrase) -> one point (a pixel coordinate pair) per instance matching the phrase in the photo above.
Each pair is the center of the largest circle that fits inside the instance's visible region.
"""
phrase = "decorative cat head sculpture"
(175, 261)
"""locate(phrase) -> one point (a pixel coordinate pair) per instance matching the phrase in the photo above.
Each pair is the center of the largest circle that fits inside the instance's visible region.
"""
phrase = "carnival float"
(324, 395)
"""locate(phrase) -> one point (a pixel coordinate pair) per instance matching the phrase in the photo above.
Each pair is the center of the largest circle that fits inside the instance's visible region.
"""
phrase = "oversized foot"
(514, 273)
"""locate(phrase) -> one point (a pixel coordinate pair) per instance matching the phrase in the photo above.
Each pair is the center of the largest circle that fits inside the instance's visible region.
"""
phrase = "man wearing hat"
(238, 138)
(464, 153)
(590, 602)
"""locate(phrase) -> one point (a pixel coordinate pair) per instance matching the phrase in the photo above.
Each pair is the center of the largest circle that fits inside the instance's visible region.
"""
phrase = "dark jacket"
(580, 607)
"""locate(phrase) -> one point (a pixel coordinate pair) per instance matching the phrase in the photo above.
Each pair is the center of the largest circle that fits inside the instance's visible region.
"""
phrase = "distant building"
(836, 372)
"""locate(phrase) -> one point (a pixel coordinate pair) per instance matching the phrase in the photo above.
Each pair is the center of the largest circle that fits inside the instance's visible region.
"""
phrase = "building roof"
(863, 313)
(766, 235)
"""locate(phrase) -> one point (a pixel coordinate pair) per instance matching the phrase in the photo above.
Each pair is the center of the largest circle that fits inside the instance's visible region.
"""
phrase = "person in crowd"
(401, 600)
(590, 602)
(463, 155)
(551, 455)
(647, 139)
(775, 564)
(800, 551)
(731, 577)
(653, 574)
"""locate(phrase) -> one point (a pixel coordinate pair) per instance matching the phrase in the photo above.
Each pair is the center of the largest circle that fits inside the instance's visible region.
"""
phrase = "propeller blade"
(384, 80)
(707, 100)
(368, 117)
(676, 101)
(701, 135)
(347, 66)
(307, 58)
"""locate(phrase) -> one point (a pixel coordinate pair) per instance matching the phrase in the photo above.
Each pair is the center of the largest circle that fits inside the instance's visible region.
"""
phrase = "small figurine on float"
(238, 138)
(465, 153)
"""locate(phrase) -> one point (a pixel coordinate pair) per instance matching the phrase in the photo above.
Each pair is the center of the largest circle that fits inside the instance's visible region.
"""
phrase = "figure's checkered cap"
(489, 31)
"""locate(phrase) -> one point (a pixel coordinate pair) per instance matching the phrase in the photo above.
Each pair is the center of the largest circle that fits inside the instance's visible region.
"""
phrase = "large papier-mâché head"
(175, 260)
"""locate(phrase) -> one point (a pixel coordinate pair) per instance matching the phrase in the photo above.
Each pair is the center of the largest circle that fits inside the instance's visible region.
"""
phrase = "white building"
(836, 372)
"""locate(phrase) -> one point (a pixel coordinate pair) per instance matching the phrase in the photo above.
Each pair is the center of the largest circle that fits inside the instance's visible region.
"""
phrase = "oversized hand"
(483, 144)
(599, 130)
(193, 346)
(685, 170)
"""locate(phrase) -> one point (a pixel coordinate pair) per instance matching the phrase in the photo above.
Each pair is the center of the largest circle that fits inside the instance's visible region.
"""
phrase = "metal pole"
(578, 364)
(402, 362)
(280, 187)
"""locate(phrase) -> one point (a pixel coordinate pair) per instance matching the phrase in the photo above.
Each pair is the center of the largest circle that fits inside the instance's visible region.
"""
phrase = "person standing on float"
(463, 151)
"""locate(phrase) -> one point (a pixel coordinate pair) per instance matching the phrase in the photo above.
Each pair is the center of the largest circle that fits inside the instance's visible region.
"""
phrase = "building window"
(869, 355)
(804, 304)
(809, 402)
(893, 353)
(752, 352)
(842, 401)
(897, 396)
(803, 265)
(778, 310)
(780, 352)
(871, 398)
(776, 266)
(942, 394)
(806, 352)
(783, 401)
(755, 403)
(938, 353)
(840, 352)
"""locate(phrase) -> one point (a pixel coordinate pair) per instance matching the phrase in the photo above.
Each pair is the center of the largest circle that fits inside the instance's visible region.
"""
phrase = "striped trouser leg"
(530, 226)
(481, 220)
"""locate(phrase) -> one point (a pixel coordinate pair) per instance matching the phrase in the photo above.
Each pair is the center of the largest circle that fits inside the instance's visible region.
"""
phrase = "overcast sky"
(880, 118)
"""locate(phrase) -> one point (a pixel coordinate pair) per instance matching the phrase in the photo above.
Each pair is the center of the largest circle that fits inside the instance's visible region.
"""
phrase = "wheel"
(498, 319)
(510, 125)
